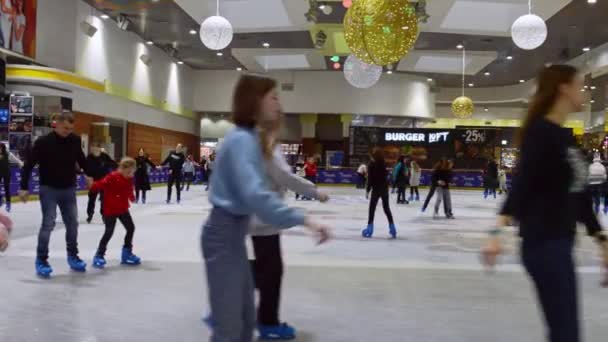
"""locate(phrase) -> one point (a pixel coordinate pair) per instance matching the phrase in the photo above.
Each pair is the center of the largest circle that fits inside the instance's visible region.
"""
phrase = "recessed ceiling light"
(592, 101)
(583, 90)
(149, 42)
(486, 109)
(586, 87)
(220, 54)
(509, 57)
(321, 7)
(521, 81)
(239, 69)
(266, 45)
(429, 80)
(471, 84)
(586, 49)
(459, 46)
(487, 73)
(180, 62)
(592, 87)
(192, 32)
(104, 16)
(591, 1)
(405, 28)
(389, 72)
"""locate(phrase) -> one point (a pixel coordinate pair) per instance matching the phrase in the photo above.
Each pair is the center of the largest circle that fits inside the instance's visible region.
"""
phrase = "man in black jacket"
(57, 155)
(99, 164)
(175, 160)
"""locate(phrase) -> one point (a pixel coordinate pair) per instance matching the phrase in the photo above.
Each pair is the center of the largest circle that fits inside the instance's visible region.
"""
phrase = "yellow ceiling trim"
(54, 76)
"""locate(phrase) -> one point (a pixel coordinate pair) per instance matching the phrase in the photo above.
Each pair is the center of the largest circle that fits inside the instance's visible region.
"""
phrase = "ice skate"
(128, 258)
(43, 269)
(368, 232)
(99, 261)
(392, 230)
(277, 332)
(76, 264)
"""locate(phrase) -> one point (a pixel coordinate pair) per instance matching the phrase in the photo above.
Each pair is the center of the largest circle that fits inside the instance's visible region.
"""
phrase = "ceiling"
(573, 24)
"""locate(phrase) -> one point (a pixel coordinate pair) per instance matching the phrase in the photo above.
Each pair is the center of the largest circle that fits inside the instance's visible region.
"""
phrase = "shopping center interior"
(426, 79)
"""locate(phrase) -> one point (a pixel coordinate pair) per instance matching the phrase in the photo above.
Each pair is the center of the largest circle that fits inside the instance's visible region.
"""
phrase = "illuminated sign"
(417, 137)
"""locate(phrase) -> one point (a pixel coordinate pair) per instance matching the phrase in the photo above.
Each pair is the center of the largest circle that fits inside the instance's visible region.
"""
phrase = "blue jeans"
(229, 277)
(551, 267)
(65, 199)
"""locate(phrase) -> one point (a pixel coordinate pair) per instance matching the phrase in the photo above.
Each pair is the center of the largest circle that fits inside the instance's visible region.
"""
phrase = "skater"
(237, 193)
(7, 158)
(547, 198)
(175, 160)
(142, 177)
(118, 188)
(490, 179)
(442, 176)
(415, 174)
(57, 155)
(310, 169)
(377, 183)
(268, 263)
(502, 181)
(361, 176)
(99, 165)
(597, 180)
(210, 167)
(400, 179)
(6, 225)
(300, 173)
(203, 166)
(189, 169)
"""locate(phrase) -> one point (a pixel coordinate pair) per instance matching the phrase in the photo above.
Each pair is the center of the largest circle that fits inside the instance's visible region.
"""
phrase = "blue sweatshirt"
(240, 187)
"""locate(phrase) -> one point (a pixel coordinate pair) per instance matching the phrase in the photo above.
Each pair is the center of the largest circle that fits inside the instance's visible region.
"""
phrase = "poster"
(18, 26)
(20, 124)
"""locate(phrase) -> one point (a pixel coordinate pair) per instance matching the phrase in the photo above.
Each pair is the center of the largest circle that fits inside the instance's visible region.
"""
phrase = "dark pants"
(175, 178)
(551, 267)
(6, 181)
(401, 194)
(376, 195)
(188, 178)
(596, 194)
(360, 181)
(429, 196)
(65, 199)
(143, 195)
(414, 189)
(91, 205)
(268, 275)
(110, 221)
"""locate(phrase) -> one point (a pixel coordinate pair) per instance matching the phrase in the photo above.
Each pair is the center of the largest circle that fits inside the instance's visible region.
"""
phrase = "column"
(346, 120)
(309, 131)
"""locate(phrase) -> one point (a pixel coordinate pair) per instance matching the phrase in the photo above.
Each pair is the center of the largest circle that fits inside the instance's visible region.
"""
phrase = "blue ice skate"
(128, 258)
(277, 332)
(43, 269)
(392, 230)
(368, 232)
(76, 264)
(99, 261)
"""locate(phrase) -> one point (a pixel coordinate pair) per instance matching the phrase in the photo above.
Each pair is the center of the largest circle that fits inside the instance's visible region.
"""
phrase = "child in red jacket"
(118, 193)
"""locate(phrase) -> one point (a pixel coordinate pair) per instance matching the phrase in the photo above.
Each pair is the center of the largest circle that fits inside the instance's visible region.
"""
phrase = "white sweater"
(597, 173)
(281, 179)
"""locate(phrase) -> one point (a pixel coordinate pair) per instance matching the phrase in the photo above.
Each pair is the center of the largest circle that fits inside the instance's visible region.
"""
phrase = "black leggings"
(91, 204)
(143, 195)
(110, 221)
(268, 275)
(6, 180)
(401, 194)
(376, 195)
(175, 178)
(188, 178)
(414, 189)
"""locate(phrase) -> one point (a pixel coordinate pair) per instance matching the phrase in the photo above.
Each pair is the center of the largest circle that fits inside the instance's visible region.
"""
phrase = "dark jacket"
(175, 161)
(58, 159)
(402, 177)
(377, 179)
(142, 179)
(99, 167)
(444, 175)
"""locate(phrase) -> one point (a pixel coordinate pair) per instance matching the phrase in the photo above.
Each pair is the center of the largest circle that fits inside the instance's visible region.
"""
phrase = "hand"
(4, 239)
(491, 251)
(23, 195)
(322, 232)
(323, 197)
(89, 182)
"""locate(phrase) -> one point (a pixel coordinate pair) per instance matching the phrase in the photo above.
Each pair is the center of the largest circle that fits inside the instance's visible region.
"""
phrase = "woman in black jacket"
(142, 180)
(548, 197)
(377, 183)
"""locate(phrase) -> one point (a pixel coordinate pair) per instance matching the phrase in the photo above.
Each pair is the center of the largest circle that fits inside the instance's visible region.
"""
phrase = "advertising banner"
(18, 26)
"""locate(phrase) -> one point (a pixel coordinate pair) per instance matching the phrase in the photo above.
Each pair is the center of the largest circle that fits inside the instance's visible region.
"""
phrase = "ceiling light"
(521, 81)
(321, 7)
(591, 1)
(592, 101)
(509, 58)
(266, 45)
(219, 54)
(405, 28)
(429, 80)
(487, 73)
(586, 87)
(149, 42)
(592, 87)
(239, 69)
(471, 84)
(486, 109)
(459, 46)
(389, 72)
(180, 62)
(192, 32)
(586, 49)
(104, 16)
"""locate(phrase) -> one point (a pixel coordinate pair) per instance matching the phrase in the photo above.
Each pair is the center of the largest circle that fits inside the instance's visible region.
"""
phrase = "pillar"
(309, 131)
(346, 120)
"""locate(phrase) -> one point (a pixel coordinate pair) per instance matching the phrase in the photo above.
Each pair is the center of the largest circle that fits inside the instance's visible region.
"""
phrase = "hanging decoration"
(360, 74)
(529, 31)
(216, 31)
(463, 106)
(381, 32)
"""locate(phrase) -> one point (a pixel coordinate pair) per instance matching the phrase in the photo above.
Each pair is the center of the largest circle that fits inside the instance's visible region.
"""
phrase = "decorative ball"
(216, 32)
(360, 74)
(347, 3)
(381, 32)
(463, 107)
(327, 10)
(529, 31)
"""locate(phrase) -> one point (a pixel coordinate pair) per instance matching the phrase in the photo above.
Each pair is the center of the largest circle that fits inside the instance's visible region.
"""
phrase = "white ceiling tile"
(276, 62)
(497, 16)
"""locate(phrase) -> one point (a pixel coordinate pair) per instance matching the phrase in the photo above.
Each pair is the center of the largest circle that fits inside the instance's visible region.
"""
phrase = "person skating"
(377, 184)
(7, 158)
(415, 175)
(490, 179)
(189, 169)
(236, 193)
(99, 164)
(597, 180)
(502, 181)
(442, 176)
(57, 155)
(118, 189)
(548, 196)
(310, 170)
(268, 262)
(400, 179)
(209, 169)
(175, 160)
(142, 177)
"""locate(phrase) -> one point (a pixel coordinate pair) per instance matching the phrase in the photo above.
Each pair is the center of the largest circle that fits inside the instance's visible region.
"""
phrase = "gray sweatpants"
(443, 194)
(229, 278)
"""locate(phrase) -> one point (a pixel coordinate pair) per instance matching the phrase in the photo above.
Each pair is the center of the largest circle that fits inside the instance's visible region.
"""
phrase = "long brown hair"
(547, 93)
(268, 135)
(247, 98)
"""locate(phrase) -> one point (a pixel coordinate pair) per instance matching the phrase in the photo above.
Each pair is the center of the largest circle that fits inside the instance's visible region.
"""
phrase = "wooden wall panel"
(83, 121)
(156, 140)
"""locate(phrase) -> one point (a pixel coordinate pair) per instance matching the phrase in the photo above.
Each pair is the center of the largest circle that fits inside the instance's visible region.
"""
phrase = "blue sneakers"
(99, 261)
(277, 332)
(43, 269)
(368, 232)
(76, 264)
(128, 258)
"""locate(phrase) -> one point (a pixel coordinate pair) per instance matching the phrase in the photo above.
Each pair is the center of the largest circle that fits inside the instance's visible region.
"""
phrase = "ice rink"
(426, 286)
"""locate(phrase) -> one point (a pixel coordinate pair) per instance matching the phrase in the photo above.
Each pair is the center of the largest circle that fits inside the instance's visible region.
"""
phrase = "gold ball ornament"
(381, 32)
(463, 107)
